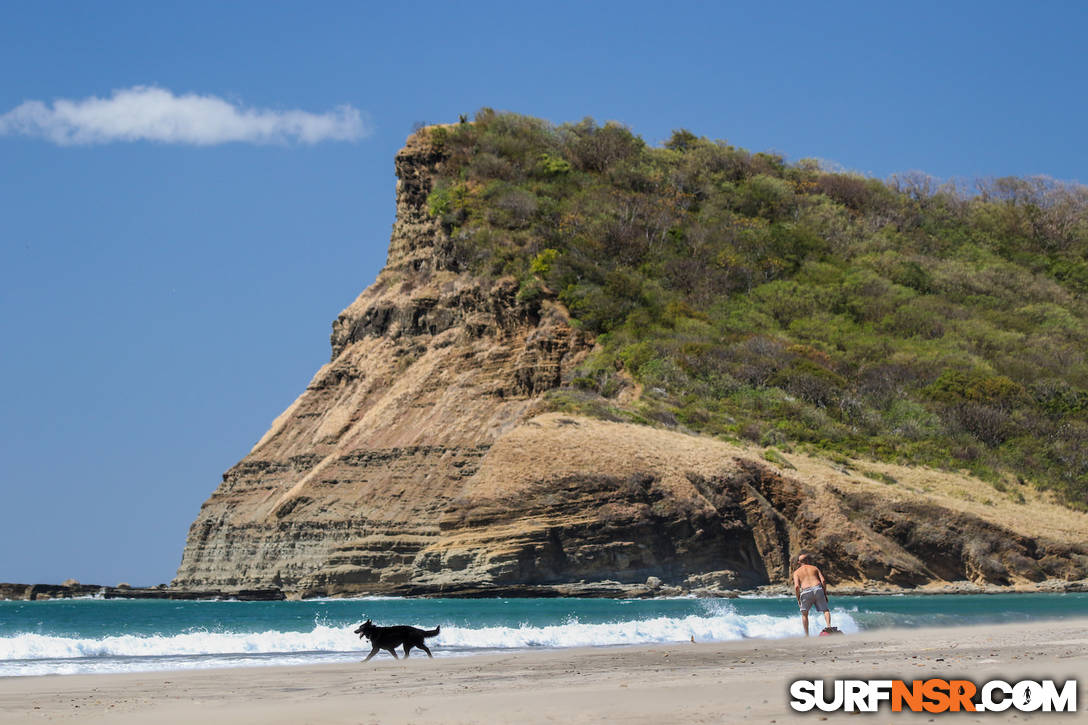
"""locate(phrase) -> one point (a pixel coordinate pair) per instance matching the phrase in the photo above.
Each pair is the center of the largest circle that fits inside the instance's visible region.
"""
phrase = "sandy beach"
(744, 681)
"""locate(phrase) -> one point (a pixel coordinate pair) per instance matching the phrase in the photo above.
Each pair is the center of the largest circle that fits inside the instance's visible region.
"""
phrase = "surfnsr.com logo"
(934, 695)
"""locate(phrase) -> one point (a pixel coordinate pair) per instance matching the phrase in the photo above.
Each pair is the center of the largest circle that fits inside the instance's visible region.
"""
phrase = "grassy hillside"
(750, 298)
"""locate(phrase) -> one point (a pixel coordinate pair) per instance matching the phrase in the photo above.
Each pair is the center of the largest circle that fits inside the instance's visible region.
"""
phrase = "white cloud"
(146, 113)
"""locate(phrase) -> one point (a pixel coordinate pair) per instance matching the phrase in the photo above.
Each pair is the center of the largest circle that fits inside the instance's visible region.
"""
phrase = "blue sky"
(166, 289)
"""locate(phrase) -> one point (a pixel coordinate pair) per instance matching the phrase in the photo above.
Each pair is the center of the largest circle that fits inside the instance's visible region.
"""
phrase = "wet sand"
(743, 681)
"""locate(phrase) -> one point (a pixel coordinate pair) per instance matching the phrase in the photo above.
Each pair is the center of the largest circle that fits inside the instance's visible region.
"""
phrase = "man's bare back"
(807, 576)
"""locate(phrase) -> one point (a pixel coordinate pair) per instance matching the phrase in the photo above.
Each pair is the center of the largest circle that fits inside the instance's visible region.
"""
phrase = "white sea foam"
(359, 598)
(721, 627)
(25, 654)
(37, 646)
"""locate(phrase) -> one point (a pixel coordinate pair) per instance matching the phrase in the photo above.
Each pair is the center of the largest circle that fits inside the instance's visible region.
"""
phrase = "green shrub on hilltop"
(751, 298)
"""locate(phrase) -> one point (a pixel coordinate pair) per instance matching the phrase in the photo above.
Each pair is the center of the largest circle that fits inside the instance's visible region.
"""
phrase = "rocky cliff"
(422, 459)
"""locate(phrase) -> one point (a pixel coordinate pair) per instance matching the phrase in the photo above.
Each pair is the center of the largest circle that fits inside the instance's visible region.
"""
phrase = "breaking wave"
(31, 653)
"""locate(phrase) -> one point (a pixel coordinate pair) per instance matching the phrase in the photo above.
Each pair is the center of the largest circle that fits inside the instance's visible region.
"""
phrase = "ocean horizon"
(89, 635)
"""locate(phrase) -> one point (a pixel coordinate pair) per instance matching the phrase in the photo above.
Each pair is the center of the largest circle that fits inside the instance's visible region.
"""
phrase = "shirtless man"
(811, 590)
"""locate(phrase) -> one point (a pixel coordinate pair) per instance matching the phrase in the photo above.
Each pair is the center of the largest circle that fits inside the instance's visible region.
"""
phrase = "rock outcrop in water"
(42, 592)
(422, 459)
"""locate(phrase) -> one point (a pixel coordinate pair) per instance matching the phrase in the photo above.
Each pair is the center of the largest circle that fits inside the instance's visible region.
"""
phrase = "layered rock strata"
(420, 460)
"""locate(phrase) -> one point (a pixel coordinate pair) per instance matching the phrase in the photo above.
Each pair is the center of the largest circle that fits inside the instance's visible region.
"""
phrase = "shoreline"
(594, 590)
(701, 682)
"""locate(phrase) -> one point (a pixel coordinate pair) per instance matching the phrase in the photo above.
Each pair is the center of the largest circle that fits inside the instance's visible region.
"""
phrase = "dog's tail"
(433, 632)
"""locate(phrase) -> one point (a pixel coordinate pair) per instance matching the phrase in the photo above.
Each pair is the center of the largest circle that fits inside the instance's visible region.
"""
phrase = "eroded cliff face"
(420, 460)
(429, 368)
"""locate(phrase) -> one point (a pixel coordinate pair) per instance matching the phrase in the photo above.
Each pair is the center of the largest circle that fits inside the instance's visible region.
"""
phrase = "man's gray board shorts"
(814, 597)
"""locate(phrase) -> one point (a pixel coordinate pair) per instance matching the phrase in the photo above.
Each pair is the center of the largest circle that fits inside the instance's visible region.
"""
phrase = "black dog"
(389, 638)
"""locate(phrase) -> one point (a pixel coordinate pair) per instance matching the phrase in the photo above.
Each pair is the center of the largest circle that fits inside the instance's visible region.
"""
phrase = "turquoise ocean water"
(90, 635)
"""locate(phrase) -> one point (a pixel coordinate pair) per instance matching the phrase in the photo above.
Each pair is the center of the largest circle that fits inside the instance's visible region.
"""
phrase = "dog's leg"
(393, 651)
(372, 653)
(407, 649)
(425, 649)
